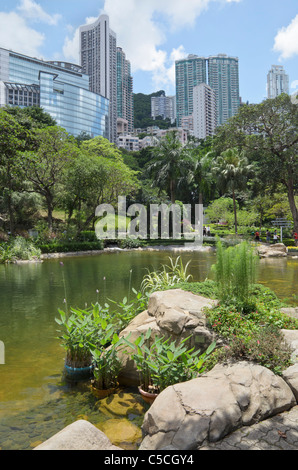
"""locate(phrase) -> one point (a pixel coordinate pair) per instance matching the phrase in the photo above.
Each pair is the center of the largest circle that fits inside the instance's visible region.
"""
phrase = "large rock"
(291, 339)
(208, 408)
(80, 435)
(277, 250)
(174, 314)
(290, 375)
(290, 311)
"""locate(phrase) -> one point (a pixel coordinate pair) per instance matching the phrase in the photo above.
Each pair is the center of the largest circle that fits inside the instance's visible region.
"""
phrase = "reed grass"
(236, 270)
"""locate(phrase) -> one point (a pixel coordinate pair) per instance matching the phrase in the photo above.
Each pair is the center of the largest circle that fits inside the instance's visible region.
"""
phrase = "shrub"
(19, 249)
(265, 348)
(70, 246)
(254, 336)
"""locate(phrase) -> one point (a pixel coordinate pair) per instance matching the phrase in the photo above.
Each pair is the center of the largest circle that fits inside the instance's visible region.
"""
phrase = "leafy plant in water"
(107, 364)
(162, 362)
(81, 333)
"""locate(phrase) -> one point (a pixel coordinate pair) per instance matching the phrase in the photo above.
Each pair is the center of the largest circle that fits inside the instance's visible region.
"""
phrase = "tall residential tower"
(223, 78)
(124, 90)
(99, 60)
(190, 72)
(277, 81)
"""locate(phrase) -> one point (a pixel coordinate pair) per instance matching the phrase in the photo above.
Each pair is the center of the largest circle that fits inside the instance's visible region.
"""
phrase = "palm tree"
(202, 176)
(232, 171)
(171, 162)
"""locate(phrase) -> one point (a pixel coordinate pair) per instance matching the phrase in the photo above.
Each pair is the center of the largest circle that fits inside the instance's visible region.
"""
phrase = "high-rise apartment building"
(223, 78)
(98, 56)
(60, 88)
(124, 90)
(277, 81)
(190, 72)
(164, 106)
(220, 72)
(204, 111)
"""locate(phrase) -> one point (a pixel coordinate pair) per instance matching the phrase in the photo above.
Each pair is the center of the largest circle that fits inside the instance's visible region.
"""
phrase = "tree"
(202, 175)
(31, 116)
(269, 132)
(232, 171)
(170, 164)
(13, 139)
(98, 176)
(44, 167)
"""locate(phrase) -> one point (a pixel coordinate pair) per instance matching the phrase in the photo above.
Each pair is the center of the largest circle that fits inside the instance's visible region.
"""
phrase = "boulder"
(209, 407)
(277, 250)
(80, 435)
(291, 339)
(175, 314)
(290, 375)
(290, 311)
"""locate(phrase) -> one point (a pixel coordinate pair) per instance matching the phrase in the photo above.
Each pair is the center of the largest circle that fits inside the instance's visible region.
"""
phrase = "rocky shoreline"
(201, 413)
(279, 250)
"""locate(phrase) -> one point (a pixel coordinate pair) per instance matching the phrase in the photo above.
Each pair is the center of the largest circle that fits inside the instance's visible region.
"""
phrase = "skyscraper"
(124, 90)
(190, 72)
(223, 78)
(277, 81)
(99, 61)
(204, 113)
(164, 106)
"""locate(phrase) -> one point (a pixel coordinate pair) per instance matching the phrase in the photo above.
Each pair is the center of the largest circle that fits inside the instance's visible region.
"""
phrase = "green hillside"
(142, 112)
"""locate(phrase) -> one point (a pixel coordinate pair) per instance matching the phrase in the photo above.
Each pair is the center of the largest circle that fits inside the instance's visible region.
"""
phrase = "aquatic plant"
(167, 276)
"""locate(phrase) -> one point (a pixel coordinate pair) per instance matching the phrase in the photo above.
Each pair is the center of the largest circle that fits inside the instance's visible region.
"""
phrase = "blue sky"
(155, 33)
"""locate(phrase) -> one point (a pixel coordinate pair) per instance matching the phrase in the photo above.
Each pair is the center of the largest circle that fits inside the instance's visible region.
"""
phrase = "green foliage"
(167, 276)
(208, 288)
(71, 246)
(268, 132)
(171, 164)
(18, 249)
(142, 112)
(105, 359)
(124, 311)
(254, 336)
(162, 362)
(84, 330)
(80, 333)
(235, 271)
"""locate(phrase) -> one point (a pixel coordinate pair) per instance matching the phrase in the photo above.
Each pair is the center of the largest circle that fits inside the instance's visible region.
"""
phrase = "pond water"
(35, 402)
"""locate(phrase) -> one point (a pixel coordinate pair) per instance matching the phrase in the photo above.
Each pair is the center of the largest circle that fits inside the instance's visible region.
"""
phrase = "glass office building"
(60, 88)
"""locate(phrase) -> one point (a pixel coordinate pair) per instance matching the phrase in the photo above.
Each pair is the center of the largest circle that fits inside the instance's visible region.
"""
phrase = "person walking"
(268, 236)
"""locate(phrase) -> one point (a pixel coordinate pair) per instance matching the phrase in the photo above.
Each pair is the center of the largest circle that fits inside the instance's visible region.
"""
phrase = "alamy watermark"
(173, 221)
(2, 353)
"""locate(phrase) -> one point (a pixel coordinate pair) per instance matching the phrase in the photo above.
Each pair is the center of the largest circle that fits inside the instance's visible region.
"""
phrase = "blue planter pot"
(77, 374)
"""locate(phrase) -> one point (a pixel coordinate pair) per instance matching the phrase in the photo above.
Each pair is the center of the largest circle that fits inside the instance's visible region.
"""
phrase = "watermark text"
(2, 353)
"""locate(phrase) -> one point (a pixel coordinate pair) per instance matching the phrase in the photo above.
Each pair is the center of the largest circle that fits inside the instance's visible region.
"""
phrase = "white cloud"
(286, 40)
(33, 11)
(16, 35)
